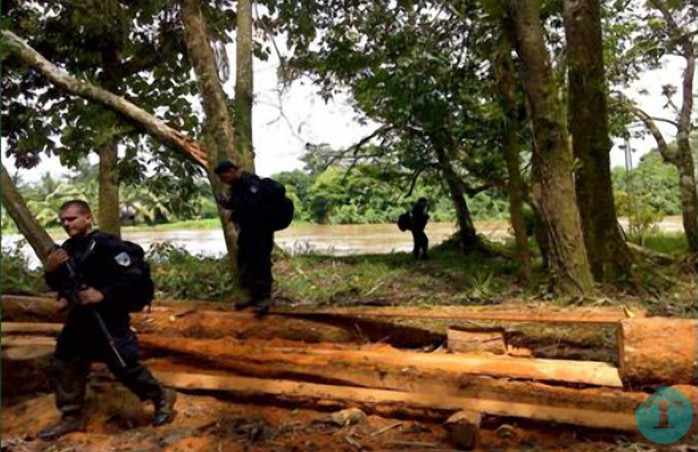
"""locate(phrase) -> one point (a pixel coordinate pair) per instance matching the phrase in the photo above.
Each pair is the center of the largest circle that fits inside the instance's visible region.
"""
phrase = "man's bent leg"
(136, 377)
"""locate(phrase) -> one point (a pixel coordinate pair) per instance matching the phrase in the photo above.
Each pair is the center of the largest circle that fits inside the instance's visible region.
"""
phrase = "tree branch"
(36, 235)
(662, 146)
(137, 65)
(413, 181)
(668, 121)
(141, 118)
(689, 54)
(474, 191)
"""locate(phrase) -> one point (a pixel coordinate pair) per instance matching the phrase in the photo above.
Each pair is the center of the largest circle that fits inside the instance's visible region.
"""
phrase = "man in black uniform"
(108, 271)
(420, 217)
(255, 234)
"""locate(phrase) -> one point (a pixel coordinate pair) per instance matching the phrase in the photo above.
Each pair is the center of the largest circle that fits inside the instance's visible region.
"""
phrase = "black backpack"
(404, 222)
(143, 292)
(279, 209)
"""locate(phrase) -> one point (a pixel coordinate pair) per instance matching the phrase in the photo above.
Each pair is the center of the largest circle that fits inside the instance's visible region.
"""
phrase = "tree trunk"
(541, 229)
(467, 235)
(152, 125)
(515, 186)
(219, 133)
(689, 196)
(588, 122)
(557, 199)
(36, 235)
(684, 161)
(109, 215)
(244, 80)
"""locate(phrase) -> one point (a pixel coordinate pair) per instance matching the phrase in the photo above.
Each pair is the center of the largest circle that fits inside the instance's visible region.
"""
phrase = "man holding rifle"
(104, 279)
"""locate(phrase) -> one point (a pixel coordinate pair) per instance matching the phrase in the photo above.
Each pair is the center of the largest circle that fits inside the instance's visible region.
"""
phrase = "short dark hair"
(224, 166)
(79, 203)
(422, 200)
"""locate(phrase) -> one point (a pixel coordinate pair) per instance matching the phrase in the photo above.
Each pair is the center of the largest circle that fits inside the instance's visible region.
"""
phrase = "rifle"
(71, 293)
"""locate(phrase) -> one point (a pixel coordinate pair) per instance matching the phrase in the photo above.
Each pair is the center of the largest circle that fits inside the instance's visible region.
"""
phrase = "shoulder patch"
(123, 259)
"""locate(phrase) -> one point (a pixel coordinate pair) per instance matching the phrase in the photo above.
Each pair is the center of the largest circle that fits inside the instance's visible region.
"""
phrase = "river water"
(338, 240)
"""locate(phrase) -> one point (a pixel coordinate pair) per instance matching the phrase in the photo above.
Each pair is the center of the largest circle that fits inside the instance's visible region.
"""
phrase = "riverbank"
(448, 278)
(668, 224)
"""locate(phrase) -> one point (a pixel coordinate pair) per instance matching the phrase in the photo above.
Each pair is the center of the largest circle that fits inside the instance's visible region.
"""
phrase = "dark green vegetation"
(314, 280)
(500, 109)
(363, 194)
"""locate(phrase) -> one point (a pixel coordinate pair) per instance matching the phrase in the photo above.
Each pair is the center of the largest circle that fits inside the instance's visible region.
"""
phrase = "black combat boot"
(67, 424)
(261, 307)
(244, 304)
(164, 407)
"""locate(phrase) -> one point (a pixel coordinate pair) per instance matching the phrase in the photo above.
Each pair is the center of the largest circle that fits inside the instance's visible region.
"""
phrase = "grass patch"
(664, 242)
(449, 278)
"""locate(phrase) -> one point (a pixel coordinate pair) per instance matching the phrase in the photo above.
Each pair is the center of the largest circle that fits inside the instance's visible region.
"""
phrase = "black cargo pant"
(80, 343)
(254, 261)
(421, 244)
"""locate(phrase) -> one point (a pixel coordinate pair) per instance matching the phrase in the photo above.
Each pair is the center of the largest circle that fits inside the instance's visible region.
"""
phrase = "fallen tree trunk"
(323, 397)
(582, 319)
(21, 308)
(199, 320)
(657, 352)
(140, 117)
(17, 209)
(426, 365)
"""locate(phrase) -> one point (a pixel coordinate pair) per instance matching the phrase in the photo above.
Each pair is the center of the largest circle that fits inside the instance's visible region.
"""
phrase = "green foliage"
(16, 274)
(647, 194)
(366, 195)
(182, 275)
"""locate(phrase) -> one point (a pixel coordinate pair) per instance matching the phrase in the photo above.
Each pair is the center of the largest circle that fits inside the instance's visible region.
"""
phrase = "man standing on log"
(258, 208)
(419, 219)
(97, 327)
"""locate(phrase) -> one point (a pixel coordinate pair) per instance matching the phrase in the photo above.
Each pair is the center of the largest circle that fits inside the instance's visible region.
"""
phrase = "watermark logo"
(665, 416)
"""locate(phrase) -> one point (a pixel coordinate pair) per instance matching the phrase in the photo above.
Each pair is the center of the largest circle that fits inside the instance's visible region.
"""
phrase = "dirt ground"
(212, 421)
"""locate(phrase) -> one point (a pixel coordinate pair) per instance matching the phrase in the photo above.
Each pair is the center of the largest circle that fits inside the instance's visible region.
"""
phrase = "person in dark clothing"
(108, 272)
(255, 234)
(419, 218)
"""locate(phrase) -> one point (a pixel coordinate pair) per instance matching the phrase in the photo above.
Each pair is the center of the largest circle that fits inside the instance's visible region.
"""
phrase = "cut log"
(26, 369)
(17, 308)
(463, 429)
(323, 397)
(480, 340)
(23, 341)
(42, 329)
(582, 319)
(657, 352)
(14, 307)
(431, 365)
